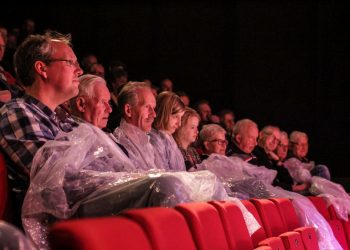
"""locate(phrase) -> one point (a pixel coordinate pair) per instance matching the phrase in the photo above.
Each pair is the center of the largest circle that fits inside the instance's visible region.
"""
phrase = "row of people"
(48, 68)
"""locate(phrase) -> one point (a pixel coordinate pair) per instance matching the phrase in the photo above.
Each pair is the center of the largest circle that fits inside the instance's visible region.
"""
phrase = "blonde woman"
(185, 135)
(169, 110)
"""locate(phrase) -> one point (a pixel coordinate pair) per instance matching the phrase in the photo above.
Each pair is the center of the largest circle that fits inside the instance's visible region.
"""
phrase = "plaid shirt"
(25, 125)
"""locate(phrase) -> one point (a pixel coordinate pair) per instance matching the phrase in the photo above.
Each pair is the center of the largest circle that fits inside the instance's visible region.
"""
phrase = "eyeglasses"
(101, 101)
(70, 63)
(220, 142)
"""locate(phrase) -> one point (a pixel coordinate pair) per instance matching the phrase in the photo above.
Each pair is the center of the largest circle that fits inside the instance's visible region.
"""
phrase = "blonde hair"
(189, 112)
(168, 103)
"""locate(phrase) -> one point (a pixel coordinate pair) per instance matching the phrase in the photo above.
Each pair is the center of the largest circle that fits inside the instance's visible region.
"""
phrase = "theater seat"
(205, 224)
(291, 221)
(335, 224)
(107, 233)
(234, 225)
(274, 226)
(346, 224)
(166, 228)
(259, 238)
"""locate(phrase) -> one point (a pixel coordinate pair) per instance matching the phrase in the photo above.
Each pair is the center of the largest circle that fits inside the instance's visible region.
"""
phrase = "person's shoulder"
(13, 106)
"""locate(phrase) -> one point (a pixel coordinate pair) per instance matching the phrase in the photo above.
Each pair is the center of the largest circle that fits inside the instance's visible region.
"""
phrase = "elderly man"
(137, 106)
(244, 138)
(47, 66)
(92, 103)
(299, 148)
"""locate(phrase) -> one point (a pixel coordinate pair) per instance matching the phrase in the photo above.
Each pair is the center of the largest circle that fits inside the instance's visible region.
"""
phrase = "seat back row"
(189, 226)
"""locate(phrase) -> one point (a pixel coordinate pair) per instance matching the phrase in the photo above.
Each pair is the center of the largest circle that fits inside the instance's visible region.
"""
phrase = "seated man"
(47, 66)
(244, 139)
(137, 106)
(298, 148)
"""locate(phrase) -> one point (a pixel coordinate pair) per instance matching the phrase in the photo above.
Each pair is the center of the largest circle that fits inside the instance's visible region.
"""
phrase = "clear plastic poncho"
(84, 173)
(332, 192)
(167, 150)
(244, 181)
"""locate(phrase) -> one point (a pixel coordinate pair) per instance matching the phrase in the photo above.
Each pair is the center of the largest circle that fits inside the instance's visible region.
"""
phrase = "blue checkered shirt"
(25, 125)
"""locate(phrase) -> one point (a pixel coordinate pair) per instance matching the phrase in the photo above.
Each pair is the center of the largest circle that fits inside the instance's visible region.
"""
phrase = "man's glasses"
(68, 62)
(220, 142)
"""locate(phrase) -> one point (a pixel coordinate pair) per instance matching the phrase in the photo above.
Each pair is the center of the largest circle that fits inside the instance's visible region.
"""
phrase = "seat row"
(202, 225)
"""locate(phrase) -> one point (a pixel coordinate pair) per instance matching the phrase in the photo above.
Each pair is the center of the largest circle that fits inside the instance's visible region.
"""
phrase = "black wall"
(276, 62)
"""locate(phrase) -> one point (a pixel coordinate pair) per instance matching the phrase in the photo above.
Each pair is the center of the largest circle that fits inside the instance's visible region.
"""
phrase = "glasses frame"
(68, 62)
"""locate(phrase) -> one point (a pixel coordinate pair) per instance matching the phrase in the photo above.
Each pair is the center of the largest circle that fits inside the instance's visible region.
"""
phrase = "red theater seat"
(234, 225)
(274, 226)
(260, 238)
(335, 224)
(108, 233)
(291, 221)
(166, 228)
(205, 224)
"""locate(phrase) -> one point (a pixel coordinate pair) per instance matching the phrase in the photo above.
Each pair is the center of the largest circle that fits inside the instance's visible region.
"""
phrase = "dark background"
(284, 63)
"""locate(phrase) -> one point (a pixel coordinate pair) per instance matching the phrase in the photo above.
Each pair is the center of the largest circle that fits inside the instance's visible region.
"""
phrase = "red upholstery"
(4, 191)
(335, 224)
(259, 238)
(270, 217)
(290, 219)
(205, 224)
(321, 206)
(98, 234)
(292, 240)
(260, 234)
(346, 224)
(166, 228)
(274, 226)
(234, 225)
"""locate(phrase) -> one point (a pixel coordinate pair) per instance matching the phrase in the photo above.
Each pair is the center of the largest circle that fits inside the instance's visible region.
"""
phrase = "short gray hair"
(129, 95)
(296, 135)
(209, 131)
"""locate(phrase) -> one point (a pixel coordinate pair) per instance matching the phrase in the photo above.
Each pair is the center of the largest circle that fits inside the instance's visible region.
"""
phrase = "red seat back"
(107, 233)
(260, 234)
(234, 225)
(166, 228)
(270, 217)
(205, 224)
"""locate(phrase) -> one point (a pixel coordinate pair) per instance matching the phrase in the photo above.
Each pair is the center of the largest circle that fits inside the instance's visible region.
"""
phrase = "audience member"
(244, 139)
(299, 148)
(227, 120)
(137, 106)
(187, 134)
(47, 66)
(204, 110)
(97, 69)
(166, 85)
(212, 139)
(87, 61)
(169, 110)
(184, 97)
(92, 103)
(269, 137)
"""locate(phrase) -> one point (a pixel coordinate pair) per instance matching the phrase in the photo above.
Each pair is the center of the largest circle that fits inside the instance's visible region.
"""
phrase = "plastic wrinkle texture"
(84, 173)
(333, 193)
(244, 181)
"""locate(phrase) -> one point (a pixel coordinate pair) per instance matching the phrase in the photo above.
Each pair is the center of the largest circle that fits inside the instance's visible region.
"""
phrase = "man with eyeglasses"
(47, 67)
(299, 148)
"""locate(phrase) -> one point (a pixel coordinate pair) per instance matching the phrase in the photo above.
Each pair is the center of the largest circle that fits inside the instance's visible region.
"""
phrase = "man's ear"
(41, 68)
(127, 110)
(81, 104)
(238, 138)
(205, 144)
